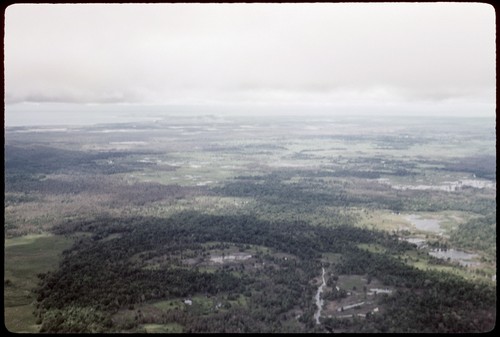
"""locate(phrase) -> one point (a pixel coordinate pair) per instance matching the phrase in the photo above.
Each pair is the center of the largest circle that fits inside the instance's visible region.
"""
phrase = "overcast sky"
(330, 55)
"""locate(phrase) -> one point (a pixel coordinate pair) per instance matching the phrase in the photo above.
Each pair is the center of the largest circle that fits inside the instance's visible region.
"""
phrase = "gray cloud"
(261, 53)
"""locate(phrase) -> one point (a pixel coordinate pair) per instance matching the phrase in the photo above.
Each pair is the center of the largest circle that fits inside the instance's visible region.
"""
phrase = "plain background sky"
(419, 57)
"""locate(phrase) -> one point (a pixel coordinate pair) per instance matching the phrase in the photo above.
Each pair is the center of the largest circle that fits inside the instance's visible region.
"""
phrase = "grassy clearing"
(331, 257)
(381, 219)
(23, 240)
(25, 257)
(19, 319)
(389, 221)
(163, 328)
(241, 301)
(201, 305)
(169, 305)
(349, 281)
(421, 261)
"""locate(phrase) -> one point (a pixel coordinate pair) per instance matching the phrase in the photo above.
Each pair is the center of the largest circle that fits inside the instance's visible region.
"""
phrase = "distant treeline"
(26, 160)
(311, 194)
(483, 166)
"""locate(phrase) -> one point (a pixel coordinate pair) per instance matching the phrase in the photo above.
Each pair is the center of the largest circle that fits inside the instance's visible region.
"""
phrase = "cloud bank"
(317, 54)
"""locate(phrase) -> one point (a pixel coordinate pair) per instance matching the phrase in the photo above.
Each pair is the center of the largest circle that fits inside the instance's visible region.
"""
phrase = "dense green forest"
(97, 274)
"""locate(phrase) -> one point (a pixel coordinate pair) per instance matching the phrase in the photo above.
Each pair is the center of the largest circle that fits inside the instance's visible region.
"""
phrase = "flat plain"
(224, 223)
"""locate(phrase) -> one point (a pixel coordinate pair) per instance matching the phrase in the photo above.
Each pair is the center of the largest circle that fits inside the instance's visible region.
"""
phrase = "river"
(319, 300)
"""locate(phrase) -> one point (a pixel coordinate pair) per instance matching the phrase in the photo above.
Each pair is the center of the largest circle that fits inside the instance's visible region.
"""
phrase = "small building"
(188, 302)
(345, 316)
(347, 307)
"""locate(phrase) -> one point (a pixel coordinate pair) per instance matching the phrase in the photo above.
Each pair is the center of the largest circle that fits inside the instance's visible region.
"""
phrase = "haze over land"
(209, 224)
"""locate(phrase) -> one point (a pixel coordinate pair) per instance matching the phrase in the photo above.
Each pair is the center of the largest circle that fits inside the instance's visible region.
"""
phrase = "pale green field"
(241, 301)
(25, 257)
(163, 328)
(390, 221)
(380, 219)
(421, 261)
(347, 282)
